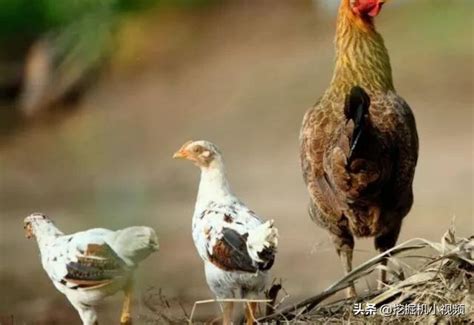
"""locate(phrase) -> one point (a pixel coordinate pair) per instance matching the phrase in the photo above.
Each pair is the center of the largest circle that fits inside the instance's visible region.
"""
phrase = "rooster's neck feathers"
(361, 56)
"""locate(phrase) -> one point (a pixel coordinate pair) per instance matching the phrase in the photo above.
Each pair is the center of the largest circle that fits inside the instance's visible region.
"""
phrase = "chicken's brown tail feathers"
(357, 109)
(353, 161)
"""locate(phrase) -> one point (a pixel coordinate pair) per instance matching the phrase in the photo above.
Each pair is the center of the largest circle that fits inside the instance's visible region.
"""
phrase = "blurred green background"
(95, 96)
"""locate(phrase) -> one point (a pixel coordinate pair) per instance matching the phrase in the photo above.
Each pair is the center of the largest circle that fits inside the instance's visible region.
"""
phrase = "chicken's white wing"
(84, 260)
(225, 236)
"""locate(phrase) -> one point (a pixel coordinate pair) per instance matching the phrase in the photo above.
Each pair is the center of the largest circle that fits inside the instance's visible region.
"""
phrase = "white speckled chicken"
(237, 247)
(90, 265)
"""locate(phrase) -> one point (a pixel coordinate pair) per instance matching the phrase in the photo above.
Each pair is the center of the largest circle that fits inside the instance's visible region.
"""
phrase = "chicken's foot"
(383, 243)
(126, 318)
(346, 260)
(228, 311)
(250, 309)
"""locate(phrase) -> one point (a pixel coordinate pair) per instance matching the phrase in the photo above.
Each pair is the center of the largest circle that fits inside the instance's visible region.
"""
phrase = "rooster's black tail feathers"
(357, 109)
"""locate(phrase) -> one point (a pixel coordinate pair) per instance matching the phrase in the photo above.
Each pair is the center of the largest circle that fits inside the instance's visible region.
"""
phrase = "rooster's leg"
(126, 318)
(250, 310)
(383, 243)
(228, 311)
(344, 243)
(346, 259)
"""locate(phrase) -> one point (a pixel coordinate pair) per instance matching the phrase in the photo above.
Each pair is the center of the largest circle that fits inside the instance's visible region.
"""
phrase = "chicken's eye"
(196, 149)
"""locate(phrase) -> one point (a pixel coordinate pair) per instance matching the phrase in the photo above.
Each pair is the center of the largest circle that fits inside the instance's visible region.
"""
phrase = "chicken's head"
(367, 8)
(203, 154)
(32, 220)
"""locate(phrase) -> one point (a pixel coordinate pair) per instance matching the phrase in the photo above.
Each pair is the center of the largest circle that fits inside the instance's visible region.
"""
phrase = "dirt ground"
(241, 76)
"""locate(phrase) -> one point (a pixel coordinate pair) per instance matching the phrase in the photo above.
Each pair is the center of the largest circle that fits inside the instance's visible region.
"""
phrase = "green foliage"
(27, 18)
(61, 13)
(22, 16)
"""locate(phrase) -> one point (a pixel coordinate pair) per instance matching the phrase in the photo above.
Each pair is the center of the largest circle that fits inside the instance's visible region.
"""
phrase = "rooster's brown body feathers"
(363, 189)
(374, 191)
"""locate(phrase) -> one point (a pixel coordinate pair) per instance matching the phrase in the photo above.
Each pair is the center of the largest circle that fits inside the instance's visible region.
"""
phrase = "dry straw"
(442, 275)
(423, 272)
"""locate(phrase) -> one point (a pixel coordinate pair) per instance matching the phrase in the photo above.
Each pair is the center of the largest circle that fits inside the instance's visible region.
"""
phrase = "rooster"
(359, 144)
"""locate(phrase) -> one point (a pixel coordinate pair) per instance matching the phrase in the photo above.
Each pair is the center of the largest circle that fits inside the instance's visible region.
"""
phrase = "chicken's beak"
(180, 154)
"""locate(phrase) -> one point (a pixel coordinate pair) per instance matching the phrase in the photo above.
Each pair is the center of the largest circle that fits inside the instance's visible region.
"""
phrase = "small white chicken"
(90, 265)
(237, 247)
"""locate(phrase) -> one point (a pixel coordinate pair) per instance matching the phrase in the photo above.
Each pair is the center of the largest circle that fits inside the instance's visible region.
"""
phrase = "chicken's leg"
(383, 243)
(250, 309)
(88, 314)
(344, 243)
(346, 260)
(126, 318)
(228, 311)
